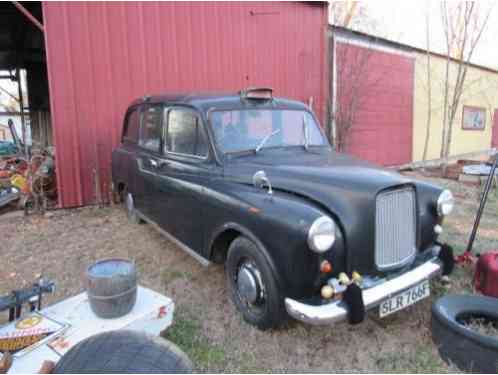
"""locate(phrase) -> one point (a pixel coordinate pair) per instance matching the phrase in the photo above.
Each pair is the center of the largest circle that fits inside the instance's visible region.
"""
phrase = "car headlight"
(321, 235)
(445, 203)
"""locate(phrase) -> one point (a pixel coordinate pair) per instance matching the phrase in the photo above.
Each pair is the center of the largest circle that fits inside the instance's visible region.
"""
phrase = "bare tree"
(352, 15)
(463, 25)
(354, 84)
(351, 80)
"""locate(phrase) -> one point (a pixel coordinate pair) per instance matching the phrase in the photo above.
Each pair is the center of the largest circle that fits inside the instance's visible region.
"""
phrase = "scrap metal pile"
(7, 148)
(29, 181)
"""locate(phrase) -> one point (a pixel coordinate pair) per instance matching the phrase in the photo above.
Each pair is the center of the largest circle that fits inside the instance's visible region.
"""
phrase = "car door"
(189, 166)
(149, 158)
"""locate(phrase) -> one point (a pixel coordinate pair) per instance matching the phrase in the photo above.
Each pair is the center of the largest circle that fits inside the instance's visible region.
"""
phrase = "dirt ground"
(61, 244)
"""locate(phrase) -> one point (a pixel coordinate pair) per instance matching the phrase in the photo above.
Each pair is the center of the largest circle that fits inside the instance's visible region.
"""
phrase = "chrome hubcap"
(249, 284)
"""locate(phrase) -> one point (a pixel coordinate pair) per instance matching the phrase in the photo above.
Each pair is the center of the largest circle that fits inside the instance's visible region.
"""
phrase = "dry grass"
(207, 325)
(482, 326)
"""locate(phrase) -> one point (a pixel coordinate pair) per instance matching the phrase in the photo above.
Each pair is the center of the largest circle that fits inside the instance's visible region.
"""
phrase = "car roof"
(207, 101)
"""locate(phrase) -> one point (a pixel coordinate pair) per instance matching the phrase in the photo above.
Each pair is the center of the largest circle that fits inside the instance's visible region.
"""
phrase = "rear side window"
(185, 134)
(150, 130)
(132, 126)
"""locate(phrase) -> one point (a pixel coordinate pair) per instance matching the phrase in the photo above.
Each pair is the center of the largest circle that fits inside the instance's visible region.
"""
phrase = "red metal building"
(102, 55)
(373, 89)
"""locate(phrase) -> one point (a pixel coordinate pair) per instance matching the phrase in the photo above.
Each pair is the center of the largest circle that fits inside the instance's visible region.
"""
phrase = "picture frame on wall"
(473, 118)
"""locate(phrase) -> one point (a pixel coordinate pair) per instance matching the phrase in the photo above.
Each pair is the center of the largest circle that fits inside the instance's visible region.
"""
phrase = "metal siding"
(382, 128)
(103, 55)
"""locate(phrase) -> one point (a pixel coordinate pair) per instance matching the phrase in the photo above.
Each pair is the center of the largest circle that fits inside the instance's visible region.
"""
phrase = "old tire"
(245, 259)
(131, 211)
(467, 349)
(124, 352)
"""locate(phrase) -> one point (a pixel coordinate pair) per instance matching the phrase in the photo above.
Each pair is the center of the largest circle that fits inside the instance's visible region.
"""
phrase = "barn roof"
(392, 43)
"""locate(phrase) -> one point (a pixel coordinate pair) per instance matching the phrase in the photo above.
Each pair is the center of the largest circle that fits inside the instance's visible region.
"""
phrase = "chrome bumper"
(372, 297)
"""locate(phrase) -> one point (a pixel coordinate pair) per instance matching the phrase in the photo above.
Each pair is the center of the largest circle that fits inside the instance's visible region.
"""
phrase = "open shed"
(22, 49)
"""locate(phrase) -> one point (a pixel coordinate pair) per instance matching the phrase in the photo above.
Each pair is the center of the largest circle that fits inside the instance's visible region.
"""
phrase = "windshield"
(255, 129)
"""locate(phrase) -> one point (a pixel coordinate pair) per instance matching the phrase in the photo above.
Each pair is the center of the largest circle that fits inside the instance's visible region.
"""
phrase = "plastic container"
(112, 287)
(486, 275)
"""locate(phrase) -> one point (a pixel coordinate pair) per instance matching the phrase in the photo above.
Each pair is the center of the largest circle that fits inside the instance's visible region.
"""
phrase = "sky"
(404, 21)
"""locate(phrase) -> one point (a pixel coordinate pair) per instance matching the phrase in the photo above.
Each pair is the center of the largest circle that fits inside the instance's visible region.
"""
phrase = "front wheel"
(253, 287)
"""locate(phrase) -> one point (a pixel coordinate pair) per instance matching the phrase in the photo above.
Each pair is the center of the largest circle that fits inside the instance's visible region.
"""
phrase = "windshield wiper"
(265, 139)
(305, 130)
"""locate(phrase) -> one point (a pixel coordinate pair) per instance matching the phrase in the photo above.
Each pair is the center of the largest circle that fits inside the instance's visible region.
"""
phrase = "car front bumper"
(372, 297)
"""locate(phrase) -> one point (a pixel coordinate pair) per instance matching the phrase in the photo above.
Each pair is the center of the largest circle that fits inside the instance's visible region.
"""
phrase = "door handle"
(157, 163)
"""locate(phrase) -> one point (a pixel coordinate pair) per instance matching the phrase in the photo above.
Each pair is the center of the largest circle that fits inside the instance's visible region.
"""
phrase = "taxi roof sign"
(258, 93)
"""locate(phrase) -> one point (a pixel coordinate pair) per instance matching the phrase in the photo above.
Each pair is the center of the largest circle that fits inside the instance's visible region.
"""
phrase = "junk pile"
(467, 171)
(472, 172)
(28, 181)
(7, 148)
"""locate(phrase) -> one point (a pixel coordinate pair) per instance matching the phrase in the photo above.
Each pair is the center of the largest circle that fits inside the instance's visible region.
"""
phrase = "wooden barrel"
(112, 287)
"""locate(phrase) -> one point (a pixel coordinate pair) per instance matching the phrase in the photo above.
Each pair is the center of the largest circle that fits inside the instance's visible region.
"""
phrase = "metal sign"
(23, 335)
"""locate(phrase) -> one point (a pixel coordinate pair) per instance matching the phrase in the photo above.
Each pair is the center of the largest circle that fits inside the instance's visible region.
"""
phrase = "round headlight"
(321, 235)
(445, 203)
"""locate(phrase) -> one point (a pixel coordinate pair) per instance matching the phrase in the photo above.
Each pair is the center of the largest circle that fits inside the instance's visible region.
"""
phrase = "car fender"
(250, 235)
(277, 223)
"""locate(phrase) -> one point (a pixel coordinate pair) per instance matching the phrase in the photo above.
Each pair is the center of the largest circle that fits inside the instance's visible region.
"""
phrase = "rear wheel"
(253, 286)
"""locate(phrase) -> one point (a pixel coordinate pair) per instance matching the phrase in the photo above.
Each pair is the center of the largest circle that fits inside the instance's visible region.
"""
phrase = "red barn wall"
(101, 56)
(382, 84)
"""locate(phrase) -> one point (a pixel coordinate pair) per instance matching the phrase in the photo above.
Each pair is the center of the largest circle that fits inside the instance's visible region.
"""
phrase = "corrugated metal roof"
(103, 55)
(402, 46)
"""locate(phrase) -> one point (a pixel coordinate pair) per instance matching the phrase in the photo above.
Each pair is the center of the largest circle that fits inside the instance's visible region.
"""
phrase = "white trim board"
(374, 45)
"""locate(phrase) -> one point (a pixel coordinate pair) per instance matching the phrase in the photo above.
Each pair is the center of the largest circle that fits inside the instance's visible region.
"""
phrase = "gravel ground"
(62, 244)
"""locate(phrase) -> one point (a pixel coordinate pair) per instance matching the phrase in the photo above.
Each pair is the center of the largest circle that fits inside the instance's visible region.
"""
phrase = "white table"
(75, 321)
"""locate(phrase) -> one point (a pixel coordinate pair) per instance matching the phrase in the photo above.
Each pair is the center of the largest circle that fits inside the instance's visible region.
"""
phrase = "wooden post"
(21, 106)
(28, 15)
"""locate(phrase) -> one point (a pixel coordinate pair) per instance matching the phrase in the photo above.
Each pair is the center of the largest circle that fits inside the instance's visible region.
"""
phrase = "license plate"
(405, 299)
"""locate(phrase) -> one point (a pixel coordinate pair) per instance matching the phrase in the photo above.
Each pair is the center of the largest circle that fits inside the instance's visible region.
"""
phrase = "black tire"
(467, 349)
(131, 211)
(269, 312)
(124, 352)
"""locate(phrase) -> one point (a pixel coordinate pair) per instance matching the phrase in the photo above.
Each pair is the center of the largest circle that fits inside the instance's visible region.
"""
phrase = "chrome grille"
(395, 228)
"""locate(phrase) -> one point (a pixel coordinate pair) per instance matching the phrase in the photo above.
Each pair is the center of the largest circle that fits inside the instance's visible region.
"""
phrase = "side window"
(132, 126)
(150, 129)
(185, 134)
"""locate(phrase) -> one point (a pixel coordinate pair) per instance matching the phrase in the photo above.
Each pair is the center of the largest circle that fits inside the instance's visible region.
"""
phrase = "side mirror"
(260, 180)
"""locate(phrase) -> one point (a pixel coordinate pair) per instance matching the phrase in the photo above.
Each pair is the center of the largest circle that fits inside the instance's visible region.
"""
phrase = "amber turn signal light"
(325, 267)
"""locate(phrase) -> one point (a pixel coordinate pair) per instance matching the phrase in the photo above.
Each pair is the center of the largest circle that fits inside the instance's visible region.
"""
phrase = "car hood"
(343, 186)
(324, 176)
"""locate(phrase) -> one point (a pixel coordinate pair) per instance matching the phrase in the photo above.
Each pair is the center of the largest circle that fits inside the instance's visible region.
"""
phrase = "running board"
(177, 242)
